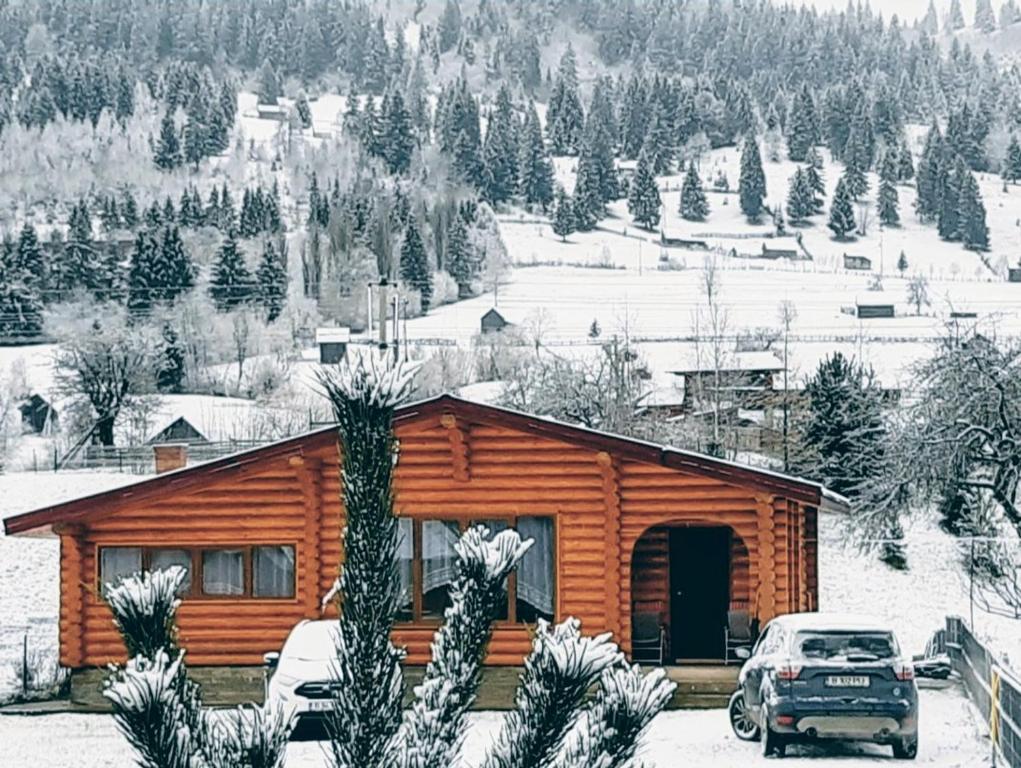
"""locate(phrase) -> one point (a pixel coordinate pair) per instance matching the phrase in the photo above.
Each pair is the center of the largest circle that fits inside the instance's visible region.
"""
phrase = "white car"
(301, 676)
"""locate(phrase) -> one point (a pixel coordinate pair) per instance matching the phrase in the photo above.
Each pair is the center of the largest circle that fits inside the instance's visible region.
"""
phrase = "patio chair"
(648, 638)
(737, 634)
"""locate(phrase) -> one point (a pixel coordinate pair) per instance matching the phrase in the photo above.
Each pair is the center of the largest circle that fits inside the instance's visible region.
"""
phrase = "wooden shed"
(622, 528)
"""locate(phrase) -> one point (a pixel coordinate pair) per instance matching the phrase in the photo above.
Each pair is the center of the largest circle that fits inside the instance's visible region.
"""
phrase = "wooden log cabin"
(622, 528)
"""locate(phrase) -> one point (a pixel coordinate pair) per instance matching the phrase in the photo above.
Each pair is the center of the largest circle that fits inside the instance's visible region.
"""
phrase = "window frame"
(195, 552)
(463, 522)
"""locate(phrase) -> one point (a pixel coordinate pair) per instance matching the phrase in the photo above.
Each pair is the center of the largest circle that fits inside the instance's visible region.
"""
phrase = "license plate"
(847, 681)
(321, 706)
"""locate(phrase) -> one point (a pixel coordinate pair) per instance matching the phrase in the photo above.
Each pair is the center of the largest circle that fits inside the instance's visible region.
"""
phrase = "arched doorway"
(685, 577)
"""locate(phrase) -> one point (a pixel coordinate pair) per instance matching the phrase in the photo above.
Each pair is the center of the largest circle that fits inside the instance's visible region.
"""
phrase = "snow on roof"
(486, 392)
(762, 360)
(217, 419)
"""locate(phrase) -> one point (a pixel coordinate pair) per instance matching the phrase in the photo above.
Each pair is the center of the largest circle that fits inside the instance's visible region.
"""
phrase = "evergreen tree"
(949, 222)
(643, 201)
(195, 140)
(931, 176)
(415, 270)
(887, 204)
(228, 215)
(449, 29)
(803, 132)
(694, 205)
(82, 265)
(170, 375)
(174, 273)
(142, 278)
(905, 166)
(535, 171)
(231, 284)
(565, 119)
(563, 215)
(168, 147)
(304, 111)
(841, 212)
(658, 146)
(397, 139)
(21, 308)
(985, 17)
(28, 258)
(972, 215)
(1012, 162)
(499, 151)
(129, 210)
(459, 258)
(813, 173)
(902, 263)
(271, 279)
(800, 197)
(930, 22)
(752, 183)
(269, 84)
(955, 16)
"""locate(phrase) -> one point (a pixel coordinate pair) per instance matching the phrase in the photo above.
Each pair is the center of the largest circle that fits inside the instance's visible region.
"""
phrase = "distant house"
(1014, 275)
(874, 310)
(277, 112)
(744, 379)
(857, 262)
(200, 419)
(493, 321)
(37, 415)
(332, 343)
(779, 253)
(673, 241)
(964, 315)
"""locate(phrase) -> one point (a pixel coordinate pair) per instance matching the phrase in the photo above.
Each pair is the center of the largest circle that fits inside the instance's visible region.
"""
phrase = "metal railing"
(992, 687)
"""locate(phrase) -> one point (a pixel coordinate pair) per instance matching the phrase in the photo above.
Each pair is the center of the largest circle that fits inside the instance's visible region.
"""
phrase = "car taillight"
(904, 671)
(788, 671)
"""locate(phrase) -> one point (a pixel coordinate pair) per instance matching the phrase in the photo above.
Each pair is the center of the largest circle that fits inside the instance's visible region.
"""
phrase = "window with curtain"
(164, 558)
(117, 562)
(535, 576)
(273, 571)
(439, 565)
(427, 564)
(223, 572)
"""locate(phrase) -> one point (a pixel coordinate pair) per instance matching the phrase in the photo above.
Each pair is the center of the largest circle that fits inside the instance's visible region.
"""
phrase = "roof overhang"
(252, 461)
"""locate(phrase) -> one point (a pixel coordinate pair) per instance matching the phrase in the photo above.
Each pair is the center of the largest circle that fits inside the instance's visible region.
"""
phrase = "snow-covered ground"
(950, 737)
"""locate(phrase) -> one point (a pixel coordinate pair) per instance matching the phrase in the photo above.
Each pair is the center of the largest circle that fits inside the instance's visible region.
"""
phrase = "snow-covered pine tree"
(887, 204)
(459, 256)
(694, 205)
(643, 201)
(955, 16)
(985, 17)
(930, 22)
(228, 216)
(28, 257)
(21, 306)
(972, 228)
(1012, 161)
(271, 278)
(841, 212)
(231, 283)
(500, 151)
(415, 270)
(170, 373)
(141, 273)
(949, 220)
(174, 273)
(168, 147)
(931, 175)
(565, 119)
(905, 165)
(268, 84)
(397, 140)
(301, 106)
(535, 182)
(902, 263)
(800, 197)
(802, 127)
(129, 210)
(169, 212)
(563, 215)
(813, 173)
(752, 182)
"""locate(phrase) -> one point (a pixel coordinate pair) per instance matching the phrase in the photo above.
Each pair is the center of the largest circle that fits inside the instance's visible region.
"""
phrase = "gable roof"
(252, 461)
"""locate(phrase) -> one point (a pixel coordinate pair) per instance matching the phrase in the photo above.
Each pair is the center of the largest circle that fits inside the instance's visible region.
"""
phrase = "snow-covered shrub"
(444, 289)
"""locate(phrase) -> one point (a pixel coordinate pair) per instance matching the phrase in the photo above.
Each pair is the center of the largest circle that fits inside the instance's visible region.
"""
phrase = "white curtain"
(439, 560)
(164, 558)
(223, 572)
(535, 573)
(273, 572)
(405, 558)
(118, 562)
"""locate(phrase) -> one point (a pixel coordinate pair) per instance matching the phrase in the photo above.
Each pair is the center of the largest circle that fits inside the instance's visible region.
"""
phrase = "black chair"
(737, 634)
(648, 639)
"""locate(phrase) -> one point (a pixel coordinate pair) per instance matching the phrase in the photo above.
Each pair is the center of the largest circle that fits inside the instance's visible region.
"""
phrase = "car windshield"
(315, 641)
(849, 646)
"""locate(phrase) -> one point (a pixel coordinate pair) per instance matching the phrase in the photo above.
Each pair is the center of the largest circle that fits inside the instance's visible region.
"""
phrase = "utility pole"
(368, 309)
(384, 306)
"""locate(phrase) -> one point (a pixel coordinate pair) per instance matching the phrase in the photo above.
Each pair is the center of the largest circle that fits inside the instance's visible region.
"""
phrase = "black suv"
(826, 676)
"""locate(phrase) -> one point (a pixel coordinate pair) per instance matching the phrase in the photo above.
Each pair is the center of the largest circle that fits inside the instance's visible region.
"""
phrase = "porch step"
(698, 701)
(703, 686)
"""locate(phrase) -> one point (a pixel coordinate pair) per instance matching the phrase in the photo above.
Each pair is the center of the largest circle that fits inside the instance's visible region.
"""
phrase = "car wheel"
(773, 743)
(906, 748)
(740, 721)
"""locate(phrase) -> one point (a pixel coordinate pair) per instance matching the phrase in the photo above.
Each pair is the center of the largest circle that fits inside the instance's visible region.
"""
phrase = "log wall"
(610, 516)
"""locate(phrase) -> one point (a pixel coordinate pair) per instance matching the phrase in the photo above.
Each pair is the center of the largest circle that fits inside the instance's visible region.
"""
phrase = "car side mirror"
(742, 653)
(271, 659)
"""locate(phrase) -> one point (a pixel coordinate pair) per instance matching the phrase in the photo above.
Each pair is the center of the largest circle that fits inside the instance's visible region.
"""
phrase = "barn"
(626, 531)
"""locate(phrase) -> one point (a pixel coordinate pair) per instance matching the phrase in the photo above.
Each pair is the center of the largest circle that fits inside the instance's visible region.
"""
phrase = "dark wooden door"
(699, 591)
